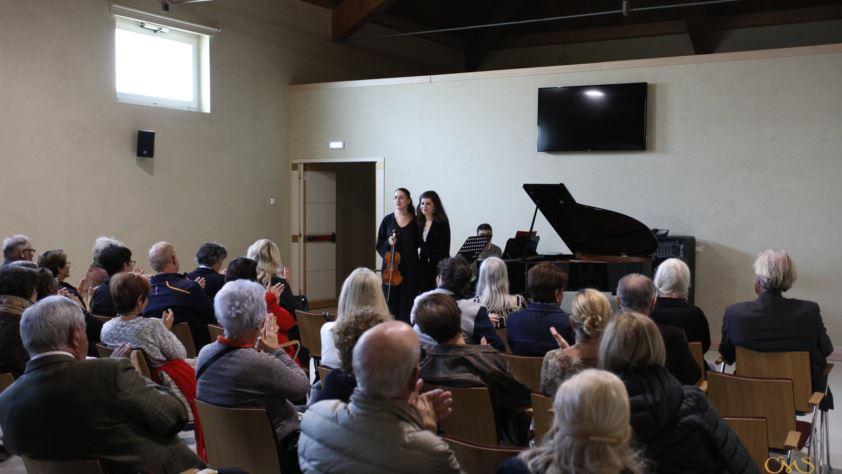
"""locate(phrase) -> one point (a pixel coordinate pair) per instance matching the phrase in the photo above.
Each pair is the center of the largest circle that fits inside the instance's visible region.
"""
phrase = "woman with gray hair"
(672, 307)
(493, 291)
(247, 367)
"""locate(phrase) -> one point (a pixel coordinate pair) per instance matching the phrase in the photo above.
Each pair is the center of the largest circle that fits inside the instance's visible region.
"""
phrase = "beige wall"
(744, 153)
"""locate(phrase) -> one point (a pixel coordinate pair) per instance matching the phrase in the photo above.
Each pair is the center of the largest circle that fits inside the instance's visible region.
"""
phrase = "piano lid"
(591, 230)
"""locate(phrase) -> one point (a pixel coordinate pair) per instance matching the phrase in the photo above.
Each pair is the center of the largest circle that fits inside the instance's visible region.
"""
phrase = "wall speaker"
(145, 143)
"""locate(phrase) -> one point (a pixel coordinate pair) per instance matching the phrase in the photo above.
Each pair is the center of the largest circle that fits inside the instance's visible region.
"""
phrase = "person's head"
(115, 259)
(631, 342)
(56, 262)
(268, 257)
(673, 279)
(591, 430)
(361, 288)
(493, 284)
(438, 316)
(241, 268)
(774, 271)
(347, 332)
(211, 255)
(430, 207)
(636, 292)
(47, 284)
(386, 361)
(100, 244)
(590, 313)
(240, 307)
(484, 229)
(54, 324)
(162, 258)
(546, 283)
(403, 200)
(18, 280)
(17, 247)
(129, 292)
(454, 274)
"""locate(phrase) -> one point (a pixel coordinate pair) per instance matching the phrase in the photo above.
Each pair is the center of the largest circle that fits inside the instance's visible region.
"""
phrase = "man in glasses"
(17, 247)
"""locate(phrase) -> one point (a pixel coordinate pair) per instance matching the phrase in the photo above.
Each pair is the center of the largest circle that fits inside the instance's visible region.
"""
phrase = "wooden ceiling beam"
(699, 29)
(402, 26)
(480, 42)
(329, 4)
(350, 15)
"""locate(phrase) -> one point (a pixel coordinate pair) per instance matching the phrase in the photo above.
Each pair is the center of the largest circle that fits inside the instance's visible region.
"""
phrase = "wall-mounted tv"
(600, 117)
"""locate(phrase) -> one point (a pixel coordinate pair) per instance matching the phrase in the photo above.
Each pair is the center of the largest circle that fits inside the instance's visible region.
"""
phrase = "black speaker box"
(145, 143)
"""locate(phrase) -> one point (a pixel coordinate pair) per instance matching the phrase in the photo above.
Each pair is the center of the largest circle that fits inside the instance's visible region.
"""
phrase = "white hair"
(240, 306)
(160, 255)
(493, 287)
(673, 278)
(101, 243)
(12, 245)
(46, 325)
(774, 270)
(384, 359)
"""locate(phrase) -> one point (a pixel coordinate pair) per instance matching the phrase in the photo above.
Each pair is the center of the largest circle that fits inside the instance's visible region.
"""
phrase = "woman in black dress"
(399, 229)
(435, 238)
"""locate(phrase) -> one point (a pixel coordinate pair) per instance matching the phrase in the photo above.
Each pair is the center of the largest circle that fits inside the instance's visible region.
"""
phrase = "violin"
(391, 261)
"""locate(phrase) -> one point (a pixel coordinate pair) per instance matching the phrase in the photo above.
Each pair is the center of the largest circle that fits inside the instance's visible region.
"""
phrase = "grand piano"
(606, 245)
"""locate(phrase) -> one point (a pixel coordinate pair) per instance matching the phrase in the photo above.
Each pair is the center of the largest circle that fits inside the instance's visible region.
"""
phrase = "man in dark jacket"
(210, 258)
(114, 259)
(528, 330)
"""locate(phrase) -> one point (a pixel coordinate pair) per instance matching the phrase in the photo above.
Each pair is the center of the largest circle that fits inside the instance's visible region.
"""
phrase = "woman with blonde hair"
(361, 288)
(493, 291)
(590, 432)
(591, 312)
(271, 271)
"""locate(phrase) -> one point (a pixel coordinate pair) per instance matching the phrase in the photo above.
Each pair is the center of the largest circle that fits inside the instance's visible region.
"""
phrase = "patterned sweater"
(149, 334)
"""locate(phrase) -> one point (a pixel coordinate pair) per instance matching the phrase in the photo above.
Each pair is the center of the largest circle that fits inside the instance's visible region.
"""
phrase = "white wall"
(744, 153)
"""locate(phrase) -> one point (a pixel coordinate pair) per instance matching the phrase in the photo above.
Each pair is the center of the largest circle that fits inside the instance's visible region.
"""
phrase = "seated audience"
(493, 292)
(773, 323)
(46, 285)
(636, 293)
(210, 258)
(96, 274)
(361, 288)
(590, 432)
(271, 271)
(454, 279)
(65, 407)
(17, 247)
(672, 308)
(591, 313)
(114, 259)
(453, 363)
(172, 291)
(529, 330)
(17, 292)
(490, 250)
(676, 426)
(388, 426)
(242, 369)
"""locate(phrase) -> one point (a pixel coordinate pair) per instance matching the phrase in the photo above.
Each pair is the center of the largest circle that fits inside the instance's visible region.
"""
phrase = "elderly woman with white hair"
(493, 291)
(672, 307)
(247, 367)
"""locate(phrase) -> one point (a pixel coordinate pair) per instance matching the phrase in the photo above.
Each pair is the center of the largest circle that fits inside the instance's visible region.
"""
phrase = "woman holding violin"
(435, 237)
(397, 242)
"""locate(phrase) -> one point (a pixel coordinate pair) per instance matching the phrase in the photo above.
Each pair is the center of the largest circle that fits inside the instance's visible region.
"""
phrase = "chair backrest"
(142, 363)
(504, 335)
(87, 466)
(526, 369)
(215, 331)
(475, 458)
(698, 356)
(102, 319)
(182, 332)
(6, 379)
(472, 418)
(323, 371)
(752, 433)
(102, 350)
(239, 437)
(310, 325)
(736, 396)
(542, 418)
(780, 365)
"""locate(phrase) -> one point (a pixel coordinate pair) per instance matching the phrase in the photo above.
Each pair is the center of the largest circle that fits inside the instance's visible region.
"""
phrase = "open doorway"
(336, 206)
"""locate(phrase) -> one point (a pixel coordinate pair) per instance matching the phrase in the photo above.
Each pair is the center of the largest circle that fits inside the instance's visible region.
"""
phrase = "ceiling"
(588, 20)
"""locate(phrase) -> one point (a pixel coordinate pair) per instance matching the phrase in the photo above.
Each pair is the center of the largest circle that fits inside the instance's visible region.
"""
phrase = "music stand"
(473, 246)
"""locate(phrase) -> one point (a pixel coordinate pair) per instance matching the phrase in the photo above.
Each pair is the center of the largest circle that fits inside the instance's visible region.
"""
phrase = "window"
(161, 66)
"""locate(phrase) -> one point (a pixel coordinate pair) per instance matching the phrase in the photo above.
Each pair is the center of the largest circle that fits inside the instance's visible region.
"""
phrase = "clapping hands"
(432, 406)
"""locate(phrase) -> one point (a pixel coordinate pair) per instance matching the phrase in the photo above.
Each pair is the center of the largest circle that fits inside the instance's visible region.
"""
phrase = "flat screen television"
(600, 117)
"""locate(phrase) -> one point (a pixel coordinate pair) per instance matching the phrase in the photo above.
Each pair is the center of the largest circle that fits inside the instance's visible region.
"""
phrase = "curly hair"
(591, 311)
(348, 331)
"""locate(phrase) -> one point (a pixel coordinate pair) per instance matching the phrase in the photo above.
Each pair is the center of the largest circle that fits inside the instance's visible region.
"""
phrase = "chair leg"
(826, 440)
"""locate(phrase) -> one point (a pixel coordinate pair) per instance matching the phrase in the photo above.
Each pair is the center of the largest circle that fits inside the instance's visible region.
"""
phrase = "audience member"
(636, 293)
(672, 308)
(96, 273)
(591, 313)
(114, 259)
(172, 291)
(17, 247)
(17, 292)
(529, 330)
(271, 271)
(210, 258)
(490, 250)
(65, 407)
(388, 426)
(590, 432)
(453, 363)
(676, 426)
(493, 292)
(247, 368)
(774, 323)
(46, 285)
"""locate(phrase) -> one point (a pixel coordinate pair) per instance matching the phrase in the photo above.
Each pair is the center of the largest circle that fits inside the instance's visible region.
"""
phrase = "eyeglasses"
(30, 249)
(131, 263)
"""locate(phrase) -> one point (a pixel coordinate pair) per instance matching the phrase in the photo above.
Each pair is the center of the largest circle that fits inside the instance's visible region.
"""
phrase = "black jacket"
(680, 362)
(213, 280)
(681, 314)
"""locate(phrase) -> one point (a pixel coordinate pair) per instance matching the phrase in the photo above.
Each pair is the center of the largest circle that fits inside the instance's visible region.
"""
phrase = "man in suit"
(773, 323)
(636, 292)
(65, 407)
(210, 257)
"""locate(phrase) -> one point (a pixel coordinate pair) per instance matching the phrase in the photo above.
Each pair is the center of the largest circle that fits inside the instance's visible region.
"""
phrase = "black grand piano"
(606, 245)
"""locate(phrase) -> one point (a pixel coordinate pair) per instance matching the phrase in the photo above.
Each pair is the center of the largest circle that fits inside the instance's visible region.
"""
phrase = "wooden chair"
(182, 332)
(102, 319)
(87, 466)
(102, 350)
(239, 437)
(6, 379)
(542, 417)
(215, 330)
(475, 458)
(504, 335)
(323, 371)
(699, 357)
(526, 369)
(472, 418)
(752, 433)
(310, 325)
(143, 364)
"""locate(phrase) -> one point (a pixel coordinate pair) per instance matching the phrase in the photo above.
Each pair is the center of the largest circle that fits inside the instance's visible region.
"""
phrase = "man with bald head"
(171, 290)
(636, 293)
(387, 426)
